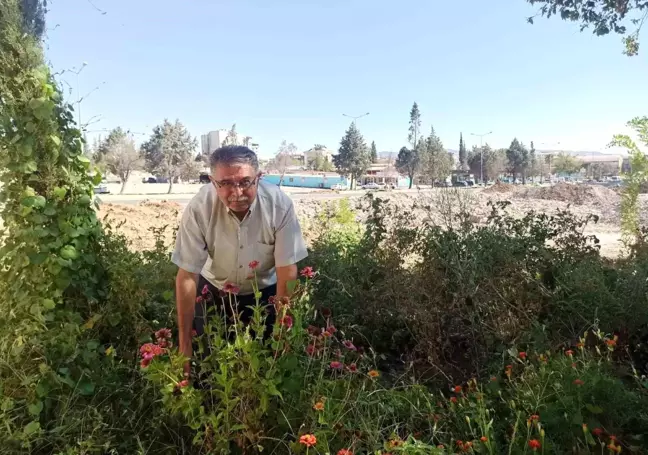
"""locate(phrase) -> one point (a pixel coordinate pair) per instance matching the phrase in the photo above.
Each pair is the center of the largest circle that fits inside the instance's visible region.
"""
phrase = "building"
(594, 164)
(214, 139)
(307, 179)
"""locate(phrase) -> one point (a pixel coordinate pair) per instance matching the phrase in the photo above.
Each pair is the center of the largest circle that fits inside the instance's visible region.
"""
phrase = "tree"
(115, 136)
(33, 17)
(320, 163)
(604, 16)
(414, 126)
(374, 152)
(353, 156)
(566, 164)
(532, 169)
(408, 162)
(232, 137)
(518, 159)
(463, 154)
(284, 158)
(122, 158)
(170, 151)
(494, 162)
(436, 162)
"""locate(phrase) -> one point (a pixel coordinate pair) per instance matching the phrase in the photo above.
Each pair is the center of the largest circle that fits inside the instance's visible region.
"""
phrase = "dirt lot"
(137, 221)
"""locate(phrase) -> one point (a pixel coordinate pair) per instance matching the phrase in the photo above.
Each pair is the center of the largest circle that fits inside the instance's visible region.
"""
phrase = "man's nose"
(238, 191)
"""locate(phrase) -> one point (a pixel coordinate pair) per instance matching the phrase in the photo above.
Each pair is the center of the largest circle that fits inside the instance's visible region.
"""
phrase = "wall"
(306, 181)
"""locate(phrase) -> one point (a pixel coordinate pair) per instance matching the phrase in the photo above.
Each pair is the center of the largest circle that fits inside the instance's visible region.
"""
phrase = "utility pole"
(481, 153)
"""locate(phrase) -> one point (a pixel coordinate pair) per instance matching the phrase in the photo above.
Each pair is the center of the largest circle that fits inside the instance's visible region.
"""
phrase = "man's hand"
(186, 289)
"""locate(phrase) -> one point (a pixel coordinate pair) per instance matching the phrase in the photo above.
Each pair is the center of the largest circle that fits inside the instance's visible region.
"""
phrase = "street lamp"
(77, 72)
(481, 153)
(356, 117)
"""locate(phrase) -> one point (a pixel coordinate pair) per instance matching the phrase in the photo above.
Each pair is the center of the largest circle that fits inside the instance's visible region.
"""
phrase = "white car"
(339, 187)
(373, 186)
(101, 189)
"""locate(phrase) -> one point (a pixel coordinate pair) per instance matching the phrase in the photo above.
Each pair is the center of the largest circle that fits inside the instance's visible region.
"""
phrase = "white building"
(214, 139)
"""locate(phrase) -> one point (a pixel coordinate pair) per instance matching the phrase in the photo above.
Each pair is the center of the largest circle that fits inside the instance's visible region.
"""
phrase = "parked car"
(149, 180)
(373, 186)
(339, 187)
(101, 189)
(459, 184)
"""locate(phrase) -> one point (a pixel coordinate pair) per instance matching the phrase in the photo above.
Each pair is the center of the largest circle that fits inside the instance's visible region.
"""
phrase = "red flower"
(534, 418)
(456, 389)
(569, 352)
(162, 334)
(522, 355)
(344, 452)
(349, 345)
(205, 290)
(146, 361)
(613, 438)
(151, 349)
(253, 265)
(453, 399)
(309, 440)
(493, 379)
(534, 444)
(353, 368)
(311, 350)
(573, 365)
(307, 272)
(194, 333)
(578, 382)
(483, 439)
(597, 431)
(183, 383)
(231, 288)
(199, 299)
(459, 442)
(337, 365)
(331, 329)
(326, 334)
(287, 321)
(611, 343)
(326, 312)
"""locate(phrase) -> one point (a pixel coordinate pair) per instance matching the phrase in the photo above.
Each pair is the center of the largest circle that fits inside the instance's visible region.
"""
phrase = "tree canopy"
(436, 162)
(518, 158)
(566, 164)
(408, 162)
(374, 152)
(353, 156)
(414, 126)
(463, 154)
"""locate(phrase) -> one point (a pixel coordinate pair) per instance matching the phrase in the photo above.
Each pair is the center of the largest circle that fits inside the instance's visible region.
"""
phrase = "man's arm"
(284, 276)
(186, 289)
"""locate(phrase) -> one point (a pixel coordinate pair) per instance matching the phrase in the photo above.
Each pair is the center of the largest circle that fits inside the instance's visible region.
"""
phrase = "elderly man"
(236, 222)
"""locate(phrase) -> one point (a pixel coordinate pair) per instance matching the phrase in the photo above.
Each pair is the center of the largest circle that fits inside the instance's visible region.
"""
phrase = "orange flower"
(535, 418)
(484, 439)
(580, 345)
(453, 399)
(457, 389)
(309, 440)
(614, 448)
(373, 374)
(534, 444)
(569, 352)
(344, 452)
(319, 406)
(611, 343)
(523, 355)
(578, 382)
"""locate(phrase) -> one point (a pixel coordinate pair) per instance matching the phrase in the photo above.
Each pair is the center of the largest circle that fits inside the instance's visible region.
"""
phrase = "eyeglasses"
(243, 184)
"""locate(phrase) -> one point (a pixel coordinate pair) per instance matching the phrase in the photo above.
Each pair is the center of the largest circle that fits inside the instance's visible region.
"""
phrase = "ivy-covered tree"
(602, 16)
(408, 162)
(374, 152)
(170, 151)
(353, 156)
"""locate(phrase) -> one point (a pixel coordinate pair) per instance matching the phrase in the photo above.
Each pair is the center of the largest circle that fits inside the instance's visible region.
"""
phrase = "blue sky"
(289, 69)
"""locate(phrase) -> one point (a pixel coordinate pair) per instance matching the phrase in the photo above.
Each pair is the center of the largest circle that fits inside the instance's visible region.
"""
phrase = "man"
(229, 224)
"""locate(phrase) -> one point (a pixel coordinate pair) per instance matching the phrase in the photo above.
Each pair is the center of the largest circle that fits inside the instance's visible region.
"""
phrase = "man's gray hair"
(232, 155)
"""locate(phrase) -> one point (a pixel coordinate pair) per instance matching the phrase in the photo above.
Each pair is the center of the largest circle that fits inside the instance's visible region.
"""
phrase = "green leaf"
(292, 285)
(114, 319)
(37, 258)
(36, 408)
(40, 201)
(30, 127)
(56, 140)
(85, 161)
(31, 428)
(86, 387)
(167, 295)
(28, 201)
(594, 409)
(92, 344)
(69, 252)
(59, 193)
(49, 304)
(30, 166)
(96, 179)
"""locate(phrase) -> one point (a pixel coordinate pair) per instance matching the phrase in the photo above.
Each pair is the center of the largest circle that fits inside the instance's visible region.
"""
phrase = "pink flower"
(311, 349)
(353, 368)
(254, 264)
(205, 290)
(183, 383)
(307, 272)
(287, 321)
(145, 363)
(331, 329)
(337, 365)
(194, 333)
(199, 299)
(231, 288)
(349, 345)
(151, 349)
(163, 334)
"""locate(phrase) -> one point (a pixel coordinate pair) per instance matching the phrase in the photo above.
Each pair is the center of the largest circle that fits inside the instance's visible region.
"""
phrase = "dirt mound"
(500, 187)
(572, 194)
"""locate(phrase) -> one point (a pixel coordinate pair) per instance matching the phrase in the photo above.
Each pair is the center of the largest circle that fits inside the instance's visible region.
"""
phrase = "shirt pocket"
(265, 255)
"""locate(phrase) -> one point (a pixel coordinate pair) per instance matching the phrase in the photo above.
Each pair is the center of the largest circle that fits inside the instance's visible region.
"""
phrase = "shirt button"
(240, 266)
(241, 246)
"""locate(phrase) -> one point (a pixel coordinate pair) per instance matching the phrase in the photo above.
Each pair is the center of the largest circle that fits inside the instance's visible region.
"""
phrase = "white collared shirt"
(212, 241)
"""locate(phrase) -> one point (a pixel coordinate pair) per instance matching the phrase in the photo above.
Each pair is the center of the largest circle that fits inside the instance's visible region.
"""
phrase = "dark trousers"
(241, 304)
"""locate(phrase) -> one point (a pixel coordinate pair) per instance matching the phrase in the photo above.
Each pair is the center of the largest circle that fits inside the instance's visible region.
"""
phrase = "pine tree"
(414, 126)
(408, 162)
(463, 154)
(353, 157)
(518, 159)
(374, 152)
(436, 162)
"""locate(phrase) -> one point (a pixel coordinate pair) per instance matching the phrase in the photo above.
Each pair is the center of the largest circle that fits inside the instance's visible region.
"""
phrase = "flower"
(569, 352)
(597, 431)
(344, 452)
(307, 272)
(349, 345)
(534, 444)
(373, 374)
(522, 355)
(613, 447)
(353, 368)
(231, 288)
(578, 382)
(326, 334)
(253, 265)
(199, 299)
(287, 321)
(573, 365)
(580, 345)
(441, 446)
(194, 333)
(205, 290)
(483, 439)
(453, 399)
(151, 349)
(612, 343)
(309, 440)
(337, 365)
(613, 438)
(331, 329)
(312, 330)
(163, 333)
(146, 362)
(183, 383)
(456, 389)
(493, 379)
(319, 406)
(311, 350)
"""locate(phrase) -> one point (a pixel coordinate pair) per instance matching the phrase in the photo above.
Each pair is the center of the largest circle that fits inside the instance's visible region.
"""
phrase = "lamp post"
(356, 117)
(77, 72)
(481, 153)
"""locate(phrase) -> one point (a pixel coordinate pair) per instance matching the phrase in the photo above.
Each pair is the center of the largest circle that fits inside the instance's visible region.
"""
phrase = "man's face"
(236, 185)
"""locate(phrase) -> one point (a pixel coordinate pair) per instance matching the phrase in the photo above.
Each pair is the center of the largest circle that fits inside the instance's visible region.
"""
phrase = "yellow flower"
(373, 374)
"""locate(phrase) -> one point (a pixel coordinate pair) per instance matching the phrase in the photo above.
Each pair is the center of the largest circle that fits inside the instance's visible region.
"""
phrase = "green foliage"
(436, 162)
(170, 151)
(374, 152)
(353, 157)
(33, 17)
(463, 155)
(408, 162)
(564, 163)
(518, 158)
(604, 16)
(414, 126)
(494, 162)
